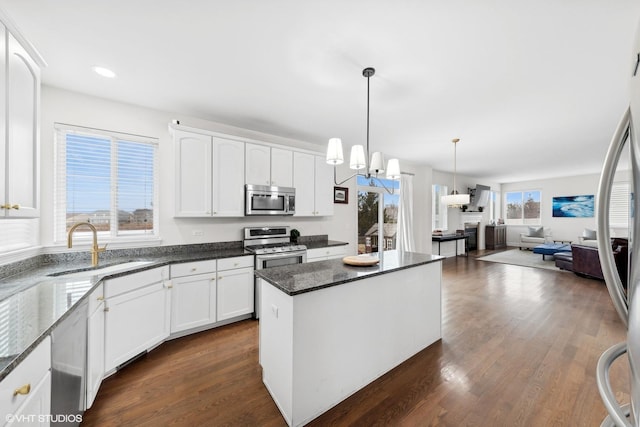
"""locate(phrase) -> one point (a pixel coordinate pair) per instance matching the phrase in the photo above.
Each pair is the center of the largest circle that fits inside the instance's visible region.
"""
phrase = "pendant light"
(455, 199)
(359, 157)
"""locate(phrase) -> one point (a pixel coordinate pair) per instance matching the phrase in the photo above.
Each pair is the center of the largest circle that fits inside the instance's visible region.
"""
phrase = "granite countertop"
(34, 300)
(317, 244)
(300, 278)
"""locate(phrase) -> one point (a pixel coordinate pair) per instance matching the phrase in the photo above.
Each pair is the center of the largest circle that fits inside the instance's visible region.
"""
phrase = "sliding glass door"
(377, 215)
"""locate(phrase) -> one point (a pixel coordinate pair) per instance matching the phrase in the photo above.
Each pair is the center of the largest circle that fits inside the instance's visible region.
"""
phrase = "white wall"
(561, 228)
(77, 109)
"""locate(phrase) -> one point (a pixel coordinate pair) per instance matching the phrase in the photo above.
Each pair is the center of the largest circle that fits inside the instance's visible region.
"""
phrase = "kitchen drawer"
(192, 268)
(236, 262)
(30, 371)
(134, 281)
(326, 253)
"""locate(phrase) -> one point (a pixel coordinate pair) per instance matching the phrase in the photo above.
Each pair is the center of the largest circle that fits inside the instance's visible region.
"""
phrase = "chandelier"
(455, 199)
(359, 159)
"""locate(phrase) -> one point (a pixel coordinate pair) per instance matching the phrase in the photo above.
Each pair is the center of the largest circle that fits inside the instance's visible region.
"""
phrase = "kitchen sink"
(107, 269)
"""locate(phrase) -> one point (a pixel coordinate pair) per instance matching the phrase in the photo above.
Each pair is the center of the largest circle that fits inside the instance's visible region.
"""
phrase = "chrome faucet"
(95, 250)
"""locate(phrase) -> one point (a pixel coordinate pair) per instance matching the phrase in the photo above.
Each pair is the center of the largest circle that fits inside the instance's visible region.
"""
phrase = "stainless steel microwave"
(267, 200)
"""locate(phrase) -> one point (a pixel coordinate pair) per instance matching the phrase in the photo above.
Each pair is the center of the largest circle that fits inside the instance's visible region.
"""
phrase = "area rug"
(523, 258)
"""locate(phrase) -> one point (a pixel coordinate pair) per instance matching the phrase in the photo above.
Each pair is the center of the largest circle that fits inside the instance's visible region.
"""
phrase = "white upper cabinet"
(323, 187)
(281, 167)
(19, 145)
(228, 177)
(313, 180)
(209, 175)
(304, 183)
(266, 165)
(193, 174)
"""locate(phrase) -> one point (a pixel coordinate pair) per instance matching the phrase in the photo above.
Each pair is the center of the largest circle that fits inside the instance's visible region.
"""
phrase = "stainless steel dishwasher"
(69, 367)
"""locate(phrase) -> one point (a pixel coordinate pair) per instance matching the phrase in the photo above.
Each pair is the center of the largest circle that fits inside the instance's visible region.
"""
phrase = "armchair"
(535, 236)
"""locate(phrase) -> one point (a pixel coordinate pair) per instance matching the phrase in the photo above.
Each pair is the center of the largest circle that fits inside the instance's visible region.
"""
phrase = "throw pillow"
(536, 231)
(589, 234)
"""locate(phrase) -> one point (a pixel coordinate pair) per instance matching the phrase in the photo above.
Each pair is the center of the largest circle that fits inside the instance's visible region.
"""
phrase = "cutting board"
(361, 260)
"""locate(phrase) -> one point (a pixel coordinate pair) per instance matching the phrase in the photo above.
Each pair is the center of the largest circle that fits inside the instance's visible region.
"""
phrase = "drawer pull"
(101, 298)
(25, 389)
(194, 269)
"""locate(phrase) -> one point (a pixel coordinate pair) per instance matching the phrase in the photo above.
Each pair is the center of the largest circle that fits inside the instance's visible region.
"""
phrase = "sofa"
(535, 236)
(585, 261)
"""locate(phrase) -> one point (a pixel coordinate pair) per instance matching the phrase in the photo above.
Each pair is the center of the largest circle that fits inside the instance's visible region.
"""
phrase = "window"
(438, 209)
(523, 207)
(371, 214)
(108, 179)
(619, 205)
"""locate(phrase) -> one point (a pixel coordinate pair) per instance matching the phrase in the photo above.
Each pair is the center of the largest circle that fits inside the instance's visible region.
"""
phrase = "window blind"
(108, 179)
(619, 205)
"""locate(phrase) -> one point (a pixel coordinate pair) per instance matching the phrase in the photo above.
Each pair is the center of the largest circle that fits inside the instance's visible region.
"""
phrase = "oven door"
(274, 260)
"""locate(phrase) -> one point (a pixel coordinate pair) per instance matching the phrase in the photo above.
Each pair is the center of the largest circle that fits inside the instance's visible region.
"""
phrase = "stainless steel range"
(272, 247)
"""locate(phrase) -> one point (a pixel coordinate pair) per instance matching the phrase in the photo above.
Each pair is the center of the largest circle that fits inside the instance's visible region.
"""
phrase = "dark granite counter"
(33, 302)
(37, 293)
(300, 278)
(317, 244)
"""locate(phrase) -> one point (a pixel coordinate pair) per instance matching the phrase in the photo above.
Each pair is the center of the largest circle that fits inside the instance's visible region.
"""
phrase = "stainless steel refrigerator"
(623, 157)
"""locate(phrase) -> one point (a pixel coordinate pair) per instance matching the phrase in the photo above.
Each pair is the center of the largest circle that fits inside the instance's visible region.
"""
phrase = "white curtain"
(405, 241)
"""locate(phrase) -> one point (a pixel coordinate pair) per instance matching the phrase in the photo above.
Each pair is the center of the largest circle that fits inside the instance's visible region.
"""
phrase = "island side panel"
(346, 336)
(276, 346)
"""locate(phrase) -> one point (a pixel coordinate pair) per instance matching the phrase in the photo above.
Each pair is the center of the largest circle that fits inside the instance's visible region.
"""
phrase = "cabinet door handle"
(25, 389)
(219, 277)
(16, 207)
(194, 269)
(101, 298)
(5, 206)
(106, 309)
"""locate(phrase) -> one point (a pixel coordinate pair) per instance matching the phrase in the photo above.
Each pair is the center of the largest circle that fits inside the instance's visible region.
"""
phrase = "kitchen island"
(329, 329)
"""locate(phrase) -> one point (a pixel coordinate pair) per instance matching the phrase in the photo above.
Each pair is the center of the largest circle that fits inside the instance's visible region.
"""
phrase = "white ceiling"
(534, 89)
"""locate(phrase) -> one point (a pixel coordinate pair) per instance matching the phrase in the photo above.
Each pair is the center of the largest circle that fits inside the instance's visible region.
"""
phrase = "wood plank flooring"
(519, 348)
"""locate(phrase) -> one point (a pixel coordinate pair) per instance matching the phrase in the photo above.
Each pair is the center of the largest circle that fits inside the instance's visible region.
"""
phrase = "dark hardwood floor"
(519, 348)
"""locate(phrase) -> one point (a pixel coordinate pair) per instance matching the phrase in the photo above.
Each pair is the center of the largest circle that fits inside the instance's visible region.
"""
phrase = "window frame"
(114, 235)
(395, 184)
(522, 220)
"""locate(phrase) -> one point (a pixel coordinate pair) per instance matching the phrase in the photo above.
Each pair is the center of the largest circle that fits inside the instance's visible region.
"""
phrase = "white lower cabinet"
(330, 252)
(235, 289)
(193, 295)
(206, 292)
(26, 392)
(137, 313)
(95, 343)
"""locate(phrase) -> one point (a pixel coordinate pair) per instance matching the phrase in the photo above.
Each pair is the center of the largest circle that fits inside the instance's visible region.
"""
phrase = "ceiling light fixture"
(104, 72)
(455, 200)
(359, 157)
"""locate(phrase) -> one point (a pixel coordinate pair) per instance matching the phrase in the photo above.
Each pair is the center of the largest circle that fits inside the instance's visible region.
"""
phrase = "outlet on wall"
(197, 233)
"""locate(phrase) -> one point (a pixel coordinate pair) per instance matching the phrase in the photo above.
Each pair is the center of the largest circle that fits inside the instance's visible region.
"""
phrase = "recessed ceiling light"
(104, 72)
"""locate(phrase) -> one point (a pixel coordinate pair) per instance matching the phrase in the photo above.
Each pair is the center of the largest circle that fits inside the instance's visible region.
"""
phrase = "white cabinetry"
(137, 310)
(266, 165)
(330, 252)
(95, 343)
(235, 287)
(313, 181)
(26, 391)
(19, 144)
(207, 292)
(193, 295)
(209, 175)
